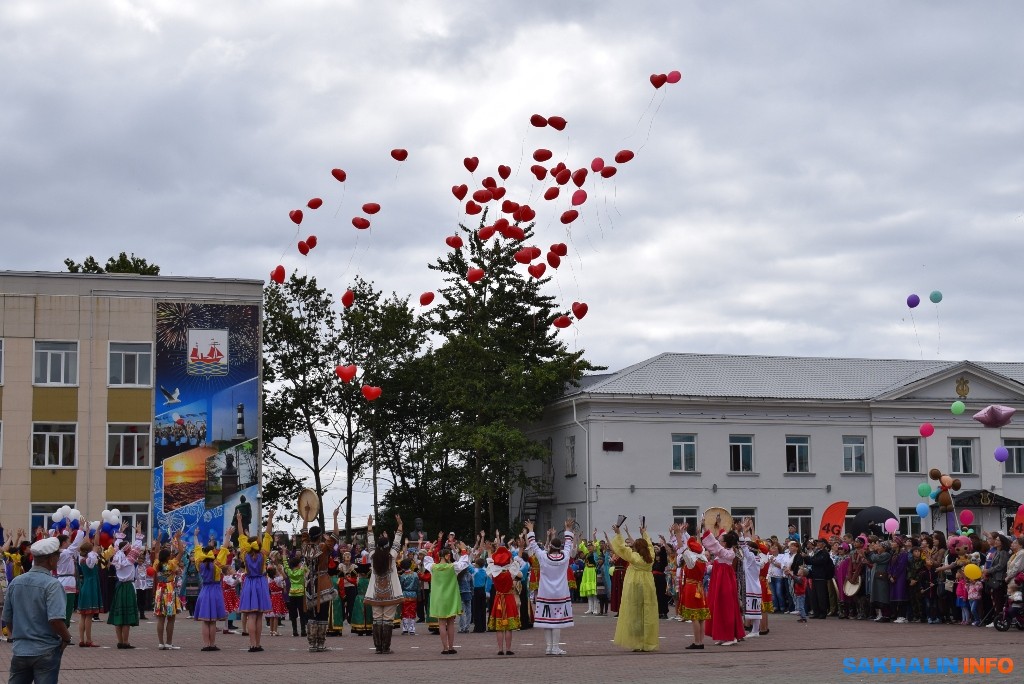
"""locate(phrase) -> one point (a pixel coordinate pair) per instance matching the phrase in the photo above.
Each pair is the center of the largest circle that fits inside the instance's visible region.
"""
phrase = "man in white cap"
(40, 635)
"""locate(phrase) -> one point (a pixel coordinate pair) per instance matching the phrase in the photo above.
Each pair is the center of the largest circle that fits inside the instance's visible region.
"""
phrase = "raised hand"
(529, 525)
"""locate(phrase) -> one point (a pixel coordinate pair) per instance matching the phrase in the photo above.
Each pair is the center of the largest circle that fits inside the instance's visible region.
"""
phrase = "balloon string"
(646, 109)
(651, 125)
(938, 342)
(919, 348)
(341, 202)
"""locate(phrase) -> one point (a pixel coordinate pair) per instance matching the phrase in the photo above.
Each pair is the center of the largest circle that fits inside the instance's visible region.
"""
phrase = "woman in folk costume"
(753, 560)
(725, 624)
(693, 601)
(210, 602)
(66, 565)
(637, 627)
(89, 601)
(588, 582)
(767, 607)
(124, 609)
(445, 599)
(255, 598)
(506, 572)
(166, 603)
(361, 620)
(384, 593)
(619, 567)
(553, 611)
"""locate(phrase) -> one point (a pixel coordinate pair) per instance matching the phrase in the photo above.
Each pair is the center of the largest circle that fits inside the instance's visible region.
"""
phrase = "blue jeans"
(800, 606)
(780, 594)
(466, 619)
(42, 669)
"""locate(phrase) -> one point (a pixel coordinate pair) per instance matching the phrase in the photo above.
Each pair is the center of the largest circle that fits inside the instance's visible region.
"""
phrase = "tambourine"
(309, 505)
(724, 524)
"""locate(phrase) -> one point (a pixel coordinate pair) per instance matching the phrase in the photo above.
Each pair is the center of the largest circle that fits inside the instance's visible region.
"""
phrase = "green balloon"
(924, 489)
(935, 296)
(957, 408)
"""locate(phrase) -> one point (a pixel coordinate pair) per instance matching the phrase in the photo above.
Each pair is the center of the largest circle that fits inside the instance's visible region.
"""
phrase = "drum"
(309, 505)
(723, 516)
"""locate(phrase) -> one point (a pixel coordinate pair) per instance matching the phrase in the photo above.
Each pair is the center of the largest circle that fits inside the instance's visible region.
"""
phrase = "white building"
(778, 438)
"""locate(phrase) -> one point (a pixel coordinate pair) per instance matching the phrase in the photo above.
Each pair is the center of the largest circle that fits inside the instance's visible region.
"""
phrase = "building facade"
(776, 438)
(94, 374)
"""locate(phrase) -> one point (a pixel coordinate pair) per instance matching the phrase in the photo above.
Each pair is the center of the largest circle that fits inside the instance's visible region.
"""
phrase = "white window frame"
(798, 447)
(910, 442)
(803, 519)
(910, 522)
(681, 443)
(956, 455)
(64, 363)
(687, 514)
(1015, 463)
(570, 455)
(144, 429)
(739, 445)
(49, 435)
(740, 512)
(850, 453)
(125, 509)
(139, 356)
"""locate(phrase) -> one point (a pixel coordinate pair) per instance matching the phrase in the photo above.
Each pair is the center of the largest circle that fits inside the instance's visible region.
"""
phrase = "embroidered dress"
(124, 610)
(637, 626)
(89, 600)
(278, 606)
(553, 601)
(410, 588)
(505, 607)
(725, 622)
(693, 603)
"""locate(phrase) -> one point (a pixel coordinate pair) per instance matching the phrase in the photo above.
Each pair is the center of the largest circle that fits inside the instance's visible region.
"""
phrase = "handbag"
(950, 585)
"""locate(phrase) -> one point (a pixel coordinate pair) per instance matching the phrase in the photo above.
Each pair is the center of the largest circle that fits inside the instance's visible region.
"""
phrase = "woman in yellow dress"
(637, 626)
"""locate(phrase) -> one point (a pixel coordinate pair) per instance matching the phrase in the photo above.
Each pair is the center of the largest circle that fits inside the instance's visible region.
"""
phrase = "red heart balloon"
(453, 241)
(296, 216)
(579, 176)
(472, 208)
(515, 233)
(474, 275)
(597, 164)
(485, 233)
(361, 223)
(426, 298)
(539, 171)
(371, 208)
(399, 154)
(557, 122)
(579, 197)
(370, 392)
(551, 193)
(534, 252)
(562, 322)
(277, 275)
(523, 256)
(658, 80)
(460, 191)
(311, 241)
(554, 260)
(541, 155)
(673, 77)
(508, 206)
(537, 270)
(623, 156)
(346, 373)
(502, 223)
(489, 182)
(504, 172)
(315, 203)
(527, 213)
(538, 121)
(563, 176)
(557, 168)
(608, 172)
(570, 216)
(339, 175)
(482, 196)
(471, 163)
(497, 193)
(349, 298)
(579, 309)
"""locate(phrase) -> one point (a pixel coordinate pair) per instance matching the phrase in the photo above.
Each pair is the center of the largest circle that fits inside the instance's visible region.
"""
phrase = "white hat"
(45, 547)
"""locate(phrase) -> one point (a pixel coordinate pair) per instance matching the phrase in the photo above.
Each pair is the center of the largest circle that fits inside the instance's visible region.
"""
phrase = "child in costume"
(89, 602)
(254, 600)
(210, 601)
(229, 582)
(588, 582)
(410, 588)
(278, 608)
(505, 571)
(166, 603)
(800, 592)
(296, 573)
(445, 598)
(361, 621)
(693, 605)
(602, 585)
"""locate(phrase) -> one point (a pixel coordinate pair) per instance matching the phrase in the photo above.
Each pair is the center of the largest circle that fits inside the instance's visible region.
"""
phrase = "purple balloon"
(1002, 453)
(913, 300)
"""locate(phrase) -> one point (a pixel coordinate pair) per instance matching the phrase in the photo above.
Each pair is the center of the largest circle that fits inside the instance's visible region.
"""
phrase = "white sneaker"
(900, 621)
(559, 651)
(751, 635)
(163, 647)
(171, 647)
(730, 643)
(991, 624)
(794, 612)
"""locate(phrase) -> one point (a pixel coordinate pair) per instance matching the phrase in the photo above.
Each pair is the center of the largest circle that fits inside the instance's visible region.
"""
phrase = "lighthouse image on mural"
(206, 431)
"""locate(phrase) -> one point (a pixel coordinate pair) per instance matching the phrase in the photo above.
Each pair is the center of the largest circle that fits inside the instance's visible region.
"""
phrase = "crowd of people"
(725, 581)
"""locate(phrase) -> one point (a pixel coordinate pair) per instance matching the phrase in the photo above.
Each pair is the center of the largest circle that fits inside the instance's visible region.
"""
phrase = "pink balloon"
(891, 525)
(995, 415)
(966, 517)
(579, 197)
(927, 429)
(673, 77)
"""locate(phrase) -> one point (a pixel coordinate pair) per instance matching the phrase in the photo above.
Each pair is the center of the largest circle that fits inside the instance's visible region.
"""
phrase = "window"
(56, 363)
(40, 516)
(908, 455)
(738, 514)
(128, 446)
(133, 514)
(570, 455)
(131, 364)
(1015, 463)
(53, 445)
(570, 513)
(688, 515)
(854, 454)
(549, 461)
(741, 453)
(800, 518)
(961, 451)
(798, 454)
(684, 453)
(910, 521)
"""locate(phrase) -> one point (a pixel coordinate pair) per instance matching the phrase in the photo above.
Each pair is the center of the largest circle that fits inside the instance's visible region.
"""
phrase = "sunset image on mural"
(185, 477)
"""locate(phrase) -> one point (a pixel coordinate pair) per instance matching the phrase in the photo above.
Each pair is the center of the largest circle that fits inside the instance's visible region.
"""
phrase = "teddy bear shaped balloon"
(942, 494)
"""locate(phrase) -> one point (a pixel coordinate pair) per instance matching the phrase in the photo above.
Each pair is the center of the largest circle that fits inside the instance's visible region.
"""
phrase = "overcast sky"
(816, 164)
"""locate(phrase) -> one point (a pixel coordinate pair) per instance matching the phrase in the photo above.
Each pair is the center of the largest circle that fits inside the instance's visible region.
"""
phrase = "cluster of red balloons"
(658, 80)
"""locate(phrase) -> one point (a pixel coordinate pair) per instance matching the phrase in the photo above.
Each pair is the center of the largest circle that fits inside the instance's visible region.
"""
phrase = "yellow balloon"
(972, 572)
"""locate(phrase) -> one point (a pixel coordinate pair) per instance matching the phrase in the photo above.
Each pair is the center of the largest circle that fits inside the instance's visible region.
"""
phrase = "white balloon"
(115, 512)
(94, 525)
(76, 514)
(116, 520)
(104, 514)
(57, 516)
(66, 509)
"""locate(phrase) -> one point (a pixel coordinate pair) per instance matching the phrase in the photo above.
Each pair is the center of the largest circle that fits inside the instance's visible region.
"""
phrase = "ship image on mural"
(206, 425)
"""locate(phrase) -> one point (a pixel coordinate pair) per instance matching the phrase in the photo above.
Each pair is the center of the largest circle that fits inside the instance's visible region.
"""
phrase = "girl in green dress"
(362, 619)
(89, 601)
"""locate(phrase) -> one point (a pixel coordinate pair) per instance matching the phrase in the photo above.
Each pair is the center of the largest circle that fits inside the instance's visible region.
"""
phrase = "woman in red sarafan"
(725, 625)
(504, 570)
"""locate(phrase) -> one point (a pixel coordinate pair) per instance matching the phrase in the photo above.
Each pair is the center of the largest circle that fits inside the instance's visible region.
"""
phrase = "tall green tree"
(501, 362)
(122, 264)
